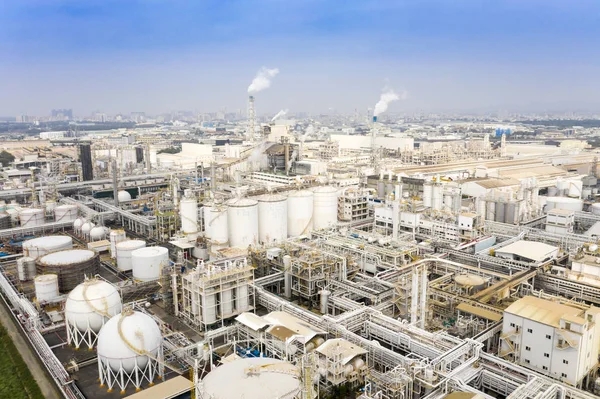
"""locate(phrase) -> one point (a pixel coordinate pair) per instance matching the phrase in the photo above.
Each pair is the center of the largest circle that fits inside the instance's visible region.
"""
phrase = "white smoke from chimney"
(386, 98)
(262, 80)
(310, 130)
(279, 114)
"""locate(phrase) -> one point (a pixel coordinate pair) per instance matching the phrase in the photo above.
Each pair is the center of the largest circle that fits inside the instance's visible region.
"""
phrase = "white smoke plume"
(262, 80)
(310, 130)
(279, 114)
(386, 98)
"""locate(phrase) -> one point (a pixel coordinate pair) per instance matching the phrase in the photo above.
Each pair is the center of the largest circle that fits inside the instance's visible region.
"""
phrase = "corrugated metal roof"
(542, 310)
(497, 183)
(536, 251)
(294, 324)
(252, 321)
(536, 171)
(347, 349)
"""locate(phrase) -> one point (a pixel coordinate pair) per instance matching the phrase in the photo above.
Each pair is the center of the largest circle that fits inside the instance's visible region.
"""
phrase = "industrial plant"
(364, 257)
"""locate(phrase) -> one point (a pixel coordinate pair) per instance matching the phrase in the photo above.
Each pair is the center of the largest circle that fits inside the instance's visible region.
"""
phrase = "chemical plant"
(294, 258)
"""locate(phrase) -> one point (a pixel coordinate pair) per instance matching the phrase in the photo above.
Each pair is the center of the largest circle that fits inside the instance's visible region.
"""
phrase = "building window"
(565, 361)
(545, 368)
(546, 355)
(548, 336)
(567, 326)
(529, 330)
(527, 348)
(563, 375)
(512, 324)
(527, 361)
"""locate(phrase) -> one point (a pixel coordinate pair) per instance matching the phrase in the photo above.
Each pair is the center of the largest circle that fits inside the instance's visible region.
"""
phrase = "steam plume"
(386, 98)
(262, 80)
(279, 114)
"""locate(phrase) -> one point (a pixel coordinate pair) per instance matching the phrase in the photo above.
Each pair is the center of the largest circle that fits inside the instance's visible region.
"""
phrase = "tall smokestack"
(373, 145)
(85, 157)
(251, 118)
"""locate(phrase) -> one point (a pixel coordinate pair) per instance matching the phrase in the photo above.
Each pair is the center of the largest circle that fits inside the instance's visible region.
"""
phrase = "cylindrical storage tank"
(123, 337)
(46, 287)
(98, 233)
(216, 224)
(575, 188)
(253, 377)
(272, 218)
(242, 222)
(300, 213)
(595, 208)
(188, 211)
(448, 201)
(123, 196)
(116, 236)
(147, 263)
(66, 213)
(71, 266)
(490, 210)
(124, 250)
(471, 282)
(209, 309)
(77, 223)
(427, 194)
(26, 268)
(552, 191)
(437, 199)
(50, 206)
(226, 303)
(325, 207)
(40, 246)
(499, 217)
(31, 217)
(241, 298)
(325, 301)
(571, 204)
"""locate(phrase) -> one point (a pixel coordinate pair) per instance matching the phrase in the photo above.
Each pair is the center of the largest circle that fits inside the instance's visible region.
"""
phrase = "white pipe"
(287, 281)
(424, 282)
(414, 300)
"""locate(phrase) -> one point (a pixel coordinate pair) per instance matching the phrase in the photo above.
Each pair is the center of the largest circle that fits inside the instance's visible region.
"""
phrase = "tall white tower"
(251, 119)
(503, 145)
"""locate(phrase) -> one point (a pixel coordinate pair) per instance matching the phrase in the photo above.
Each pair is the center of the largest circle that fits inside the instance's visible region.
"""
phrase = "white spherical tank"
(66, 213)
(242, 221)
(300, 213)
(570, 204)
(31, 217)
(595, 208)
(46, 287)
(40, 246)
(123, 196)
(91, 304)
(188, 211)
(124, 250)
(253, 378)
(86, 228)
(325, 207)
(126, 335)
(272, 218)
(216, 224)
(77, 225)
(116, 236)
(98, 233)
(26, 268)
(148, 262)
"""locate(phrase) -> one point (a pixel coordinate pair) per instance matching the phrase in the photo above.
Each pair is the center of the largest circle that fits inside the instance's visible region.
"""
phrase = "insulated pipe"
(287, 273)
(424, 283)
(414, 299)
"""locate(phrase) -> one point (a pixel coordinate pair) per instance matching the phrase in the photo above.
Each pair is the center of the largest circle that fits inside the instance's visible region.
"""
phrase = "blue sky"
(159, 55)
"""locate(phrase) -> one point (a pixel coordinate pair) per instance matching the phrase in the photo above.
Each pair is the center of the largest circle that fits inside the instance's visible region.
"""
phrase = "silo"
(66, 213)
(241, 298)
(124, 250)
(272, 218)
(499, 217)
(242, 222)
(26, 268)
(46, 287)
(226, 302)
(437, 199)
(595, 208)
(325, 207)
(40, 246)
(31, 217)
(71, 266)
(147, 263)
(253, 378)
(571, 204)
(300, 213)
(129, 350)
(116, 236)
(216, 224)
(88, 307)
(209, 309)
(188, 211)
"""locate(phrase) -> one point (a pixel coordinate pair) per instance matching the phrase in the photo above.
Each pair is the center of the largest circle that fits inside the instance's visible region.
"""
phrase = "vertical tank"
(188, 211)
(427, 194)
(46, 287)
(300, 213)
(226, 302)
(437, 199)
(272, 218)
(124, 250)
(66, 213)
(116, 236)
(490, 211)
(209, 309)
(31, 217)
(26, 268)
(216, 224)
(325, 301)
(571, 204)
(499, 217)
(242, 221)
(40, 246)
(241, 298)
(325, 204)
(148, 262)
(595, 208)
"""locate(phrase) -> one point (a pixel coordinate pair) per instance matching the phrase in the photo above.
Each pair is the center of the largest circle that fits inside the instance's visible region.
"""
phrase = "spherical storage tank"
(98, 233)
(300, 213)
(46, 287)
(40, 246)
(123, 196)
(242, 222)
(77, 223)
(124, 344)
(31, 217)
(272, 218)
(86, 228)
(325, 207)
(71, 266)
(571, 204)
(124, 250)
(66, 213)
(253, 378)
(88, 306)
(148, 262)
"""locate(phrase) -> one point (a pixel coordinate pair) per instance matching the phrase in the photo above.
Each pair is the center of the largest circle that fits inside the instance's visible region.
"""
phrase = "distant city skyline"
(157, 56)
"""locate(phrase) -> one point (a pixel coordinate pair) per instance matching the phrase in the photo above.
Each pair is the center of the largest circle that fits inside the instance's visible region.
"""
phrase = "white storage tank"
(77, 225)
(86, 228)
(98, 233)
(116, 236)
(46, 287)
(272, 218)
(66, 213)
(437, 199)
(124, 250)
(226, 303)
(26, 268)
(123, 196)
(31, 217)
(209, 309)
(188, 211)
(571, 204)
(241, 298)
(242, 222)
(595, 208)
(40, 246)
(300, 213)
(325, 207)
(148, 262)
(216, 224)
(427, 194)
(575, 188)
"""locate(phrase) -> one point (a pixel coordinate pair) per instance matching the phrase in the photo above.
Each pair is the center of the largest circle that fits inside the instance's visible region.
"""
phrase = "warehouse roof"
(252, 321)
(543, 311)
(536, 171)
(533, 250)
(497, 183)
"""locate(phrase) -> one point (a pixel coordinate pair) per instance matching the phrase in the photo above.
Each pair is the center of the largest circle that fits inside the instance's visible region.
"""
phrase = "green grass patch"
(16, 381)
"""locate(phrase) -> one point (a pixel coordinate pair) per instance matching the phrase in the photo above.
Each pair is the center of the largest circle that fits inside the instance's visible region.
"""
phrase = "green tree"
(6, 158)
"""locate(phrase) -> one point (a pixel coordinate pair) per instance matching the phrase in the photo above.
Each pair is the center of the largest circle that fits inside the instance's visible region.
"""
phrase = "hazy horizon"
(158, 56)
